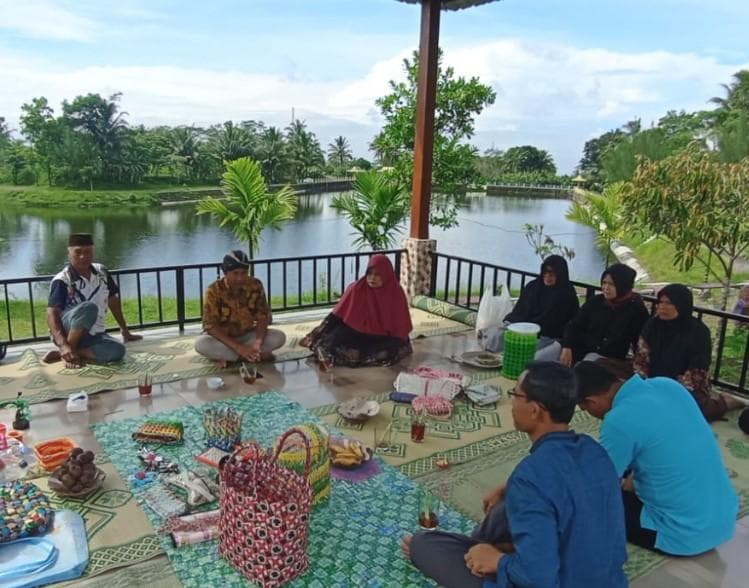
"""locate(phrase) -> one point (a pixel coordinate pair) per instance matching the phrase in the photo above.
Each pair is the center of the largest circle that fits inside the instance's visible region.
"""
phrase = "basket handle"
(227, 465)
(308, 450)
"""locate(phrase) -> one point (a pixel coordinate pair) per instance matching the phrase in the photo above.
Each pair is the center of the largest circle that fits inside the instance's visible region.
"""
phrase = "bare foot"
(733, 403)
(221, 364)
(52, 356)
(406, 546)
(75, 364)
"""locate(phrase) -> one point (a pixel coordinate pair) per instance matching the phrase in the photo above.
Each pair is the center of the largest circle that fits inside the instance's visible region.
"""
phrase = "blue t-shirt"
(566, 517)
(655, 428)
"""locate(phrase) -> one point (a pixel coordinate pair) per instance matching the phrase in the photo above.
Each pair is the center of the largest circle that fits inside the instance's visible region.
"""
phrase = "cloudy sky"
(564, 70)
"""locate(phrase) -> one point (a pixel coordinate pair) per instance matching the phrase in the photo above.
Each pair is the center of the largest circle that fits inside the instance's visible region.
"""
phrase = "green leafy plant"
(697, 203)
(543, 245)
(376, 209)
(601, 212)
(248, 206)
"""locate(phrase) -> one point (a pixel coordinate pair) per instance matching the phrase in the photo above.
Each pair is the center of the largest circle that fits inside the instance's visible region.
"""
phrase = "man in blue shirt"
(562, 504)
(677, 495)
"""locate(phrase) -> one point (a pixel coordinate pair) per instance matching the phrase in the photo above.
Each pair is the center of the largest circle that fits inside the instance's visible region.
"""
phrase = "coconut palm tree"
(272, 153)
(376, 209)
(602, 213)
(339, 152)
(736, 100)
(248, 207)
(303, 149)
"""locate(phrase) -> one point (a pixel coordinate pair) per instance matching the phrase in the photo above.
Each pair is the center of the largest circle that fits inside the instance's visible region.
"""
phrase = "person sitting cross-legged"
(674, 344)
(677, 496)
(560, 510)
(550, 301)
(77, 307)
(371, 323)
(236, 316)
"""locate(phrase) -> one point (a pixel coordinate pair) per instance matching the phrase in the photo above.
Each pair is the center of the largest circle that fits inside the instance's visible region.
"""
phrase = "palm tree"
(272, 153)
(339, 151)
(377, 209)
(303, 149)
(248, 207)
(602, 213)
(229, 142)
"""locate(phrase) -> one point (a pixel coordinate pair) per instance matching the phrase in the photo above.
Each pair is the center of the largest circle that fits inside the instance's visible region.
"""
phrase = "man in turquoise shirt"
(677, 495)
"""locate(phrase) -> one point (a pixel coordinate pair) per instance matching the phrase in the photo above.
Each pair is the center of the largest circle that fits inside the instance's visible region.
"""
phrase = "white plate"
(473, 358)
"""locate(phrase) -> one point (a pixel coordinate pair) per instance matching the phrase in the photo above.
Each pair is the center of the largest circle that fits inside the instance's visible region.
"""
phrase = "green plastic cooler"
(520, 347)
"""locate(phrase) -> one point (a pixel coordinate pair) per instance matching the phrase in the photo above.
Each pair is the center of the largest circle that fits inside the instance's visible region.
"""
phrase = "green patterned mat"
(354, 537)
(462, 486)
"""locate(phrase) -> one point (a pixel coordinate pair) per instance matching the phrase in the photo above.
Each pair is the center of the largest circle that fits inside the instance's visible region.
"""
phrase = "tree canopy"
(458, 102)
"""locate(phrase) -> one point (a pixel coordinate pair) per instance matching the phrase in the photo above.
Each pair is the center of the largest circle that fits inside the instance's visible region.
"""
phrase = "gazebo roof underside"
(454, 4)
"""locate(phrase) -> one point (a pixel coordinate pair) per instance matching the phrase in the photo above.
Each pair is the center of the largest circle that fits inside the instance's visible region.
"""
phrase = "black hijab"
(678, 344)
(545, 296)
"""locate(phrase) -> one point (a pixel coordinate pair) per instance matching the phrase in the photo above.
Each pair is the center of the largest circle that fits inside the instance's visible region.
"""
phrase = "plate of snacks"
(78, 476)
(348, 453)
(482, 359)
(358, 409)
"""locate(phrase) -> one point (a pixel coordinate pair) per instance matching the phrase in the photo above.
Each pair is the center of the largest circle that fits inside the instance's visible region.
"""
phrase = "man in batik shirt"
(236, 316)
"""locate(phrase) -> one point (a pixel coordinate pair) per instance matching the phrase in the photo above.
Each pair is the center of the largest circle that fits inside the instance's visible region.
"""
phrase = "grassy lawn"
(657, 257)
(21, 319)
(55, 197)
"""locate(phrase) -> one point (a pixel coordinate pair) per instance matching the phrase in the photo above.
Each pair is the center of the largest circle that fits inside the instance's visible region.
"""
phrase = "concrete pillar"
(416, 266)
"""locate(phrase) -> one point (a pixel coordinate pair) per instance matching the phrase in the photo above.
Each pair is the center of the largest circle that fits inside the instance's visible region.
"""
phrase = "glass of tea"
(248, 372)
(418, 426)
(145, 382)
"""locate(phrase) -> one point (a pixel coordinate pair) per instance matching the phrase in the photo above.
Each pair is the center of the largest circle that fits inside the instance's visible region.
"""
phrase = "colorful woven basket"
(264, 519)
(292, 456)
(24, 511)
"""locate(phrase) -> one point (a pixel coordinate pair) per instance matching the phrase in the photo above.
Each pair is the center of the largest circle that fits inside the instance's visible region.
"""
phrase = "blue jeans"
(82, 318)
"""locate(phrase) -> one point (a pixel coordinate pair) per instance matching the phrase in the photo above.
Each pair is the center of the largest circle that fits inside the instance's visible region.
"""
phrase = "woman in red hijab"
(369, 325)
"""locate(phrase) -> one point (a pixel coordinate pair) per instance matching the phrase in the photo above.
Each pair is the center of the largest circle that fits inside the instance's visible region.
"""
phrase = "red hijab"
(376, 311)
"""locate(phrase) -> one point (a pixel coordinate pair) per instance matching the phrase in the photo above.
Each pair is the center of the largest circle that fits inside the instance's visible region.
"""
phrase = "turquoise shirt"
(656, 429)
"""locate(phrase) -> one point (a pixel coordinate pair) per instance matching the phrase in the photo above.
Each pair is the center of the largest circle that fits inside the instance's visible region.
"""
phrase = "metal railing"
(461, 282)
(173, 295)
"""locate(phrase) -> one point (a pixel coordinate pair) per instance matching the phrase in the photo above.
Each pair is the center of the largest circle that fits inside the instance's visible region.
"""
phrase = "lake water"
(33, 241)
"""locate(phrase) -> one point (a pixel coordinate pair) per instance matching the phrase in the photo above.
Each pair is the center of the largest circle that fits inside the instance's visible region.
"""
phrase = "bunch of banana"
(348, 453)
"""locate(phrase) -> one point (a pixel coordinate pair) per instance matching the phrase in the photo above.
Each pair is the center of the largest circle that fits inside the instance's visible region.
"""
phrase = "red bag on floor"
(265, 510)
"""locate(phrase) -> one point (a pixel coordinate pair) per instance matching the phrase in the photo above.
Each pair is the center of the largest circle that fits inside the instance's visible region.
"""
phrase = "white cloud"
(45, 19)
(552, 95)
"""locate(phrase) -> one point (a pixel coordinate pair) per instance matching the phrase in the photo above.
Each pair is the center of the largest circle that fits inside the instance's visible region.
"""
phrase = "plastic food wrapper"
(427, 381)
(154, 462)
(483, 393)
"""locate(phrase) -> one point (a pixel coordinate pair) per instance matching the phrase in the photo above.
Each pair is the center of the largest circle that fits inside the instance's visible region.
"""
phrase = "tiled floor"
(726, 567)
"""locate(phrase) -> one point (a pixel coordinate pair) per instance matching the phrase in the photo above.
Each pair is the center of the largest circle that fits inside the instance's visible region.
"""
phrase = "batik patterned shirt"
(235, 311)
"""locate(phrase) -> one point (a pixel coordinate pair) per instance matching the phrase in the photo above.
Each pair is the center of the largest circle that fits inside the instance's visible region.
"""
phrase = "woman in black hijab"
(608, 324)
(674, 344)
(549, 301)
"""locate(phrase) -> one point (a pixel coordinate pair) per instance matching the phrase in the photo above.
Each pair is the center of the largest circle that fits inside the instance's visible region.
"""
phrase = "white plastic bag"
(492, 309)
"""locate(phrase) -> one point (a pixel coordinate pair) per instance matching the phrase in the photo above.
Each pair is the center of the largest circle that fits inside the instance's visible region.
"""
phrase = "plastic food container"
(53, 453)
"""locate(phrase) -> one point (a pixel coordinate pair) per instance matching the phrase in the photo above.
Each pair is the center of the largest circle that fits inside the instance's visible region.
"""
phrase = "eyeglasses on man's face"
(515, 394)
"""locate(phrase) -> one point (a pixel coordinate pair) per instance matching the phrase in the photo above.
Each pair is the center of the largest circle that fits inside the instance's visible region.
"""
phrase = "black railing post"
(433, 279)
(180, 285)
